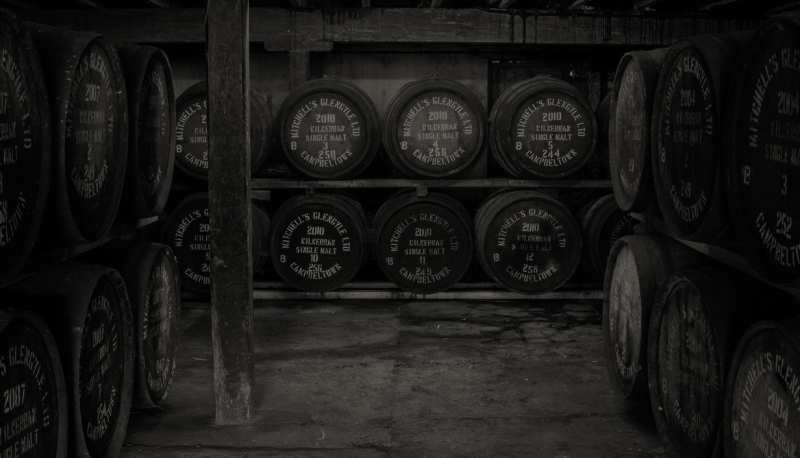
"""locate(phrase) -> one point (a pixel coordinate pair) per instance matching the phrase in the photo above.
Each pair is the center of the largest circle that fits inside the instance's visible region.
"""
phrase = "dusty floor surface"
(421, 379)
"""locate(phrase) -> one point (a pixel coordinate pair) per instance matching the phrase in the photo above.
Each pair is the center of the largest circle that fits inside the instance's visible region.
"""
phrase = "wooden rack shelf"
(62, 254)
(389, 291)
(719, 254)
(266, 184)
(317, 30)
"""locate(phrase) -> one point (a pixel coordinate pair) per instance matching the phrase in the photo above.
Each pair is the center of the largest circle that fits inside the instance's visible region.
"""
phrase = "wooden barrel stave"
(33, 382)
(191, 128)
(629, 128)
(335, 229)
(566, 118)
(26, 177)
(90, 130)
(423, 244)
(545, 241)
(329, 129)
(455, 125)
(151, 105)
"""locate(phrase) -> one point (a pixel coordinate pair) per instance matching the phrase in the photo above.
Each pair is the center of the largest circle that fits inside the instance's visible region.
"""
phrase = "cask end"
(527, 241)
(423, 244)
(25, 175)
(764, 165)
(329, 129)
(318, 242)
(542, 127)
(89, 112)
(434, 128)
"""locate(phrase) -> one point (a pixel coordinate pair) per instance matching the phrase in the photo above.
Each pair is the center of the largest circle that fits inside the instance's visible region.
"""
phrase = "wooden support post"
(299, 68)
(229, 209)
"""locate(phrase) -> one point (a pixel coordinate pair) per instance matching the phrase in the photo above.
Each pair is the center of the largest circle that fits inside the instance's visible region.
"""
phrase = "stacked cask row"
(88, 311)
(26, 158)
(90, 131)
(191, 149)
(603, 223)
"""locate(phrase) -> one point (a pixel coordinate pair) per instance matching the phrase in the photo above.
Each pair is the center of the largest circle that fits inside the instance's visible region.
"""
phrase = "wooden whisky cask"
(25, 167)
(527, 241)
(88, 311)
(629, 128)
(762, 396)
(191, 131)
(90, 130)
(603, 223)
(764, 163)
(329, 129)
(434, 128)
(187, 232)
(542, 127)
(34, 419)
(637, 267)
(693, 330)
(687, 137)
(150, 271)
(151, 141)
(318, 242)
(424, 244)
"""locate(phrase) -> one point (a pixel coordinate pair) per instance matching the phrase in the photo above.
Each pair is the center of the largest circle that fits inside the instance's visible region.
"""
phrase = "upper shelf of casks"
(282, 29)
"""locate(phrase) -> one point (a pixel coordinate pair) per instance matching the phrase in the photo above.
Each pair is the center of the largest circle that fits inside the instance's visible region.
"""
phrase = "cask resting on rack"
(318, 242)
(32, 380)
(90, 138)
(527, 241)
(543, 127)
(434, 128)
(151, 155)
(87, 309)
(187, 232)
(24, 174)
(629, 127)
(191, 148)
(764, 170)
(329, 129)
(424, 244)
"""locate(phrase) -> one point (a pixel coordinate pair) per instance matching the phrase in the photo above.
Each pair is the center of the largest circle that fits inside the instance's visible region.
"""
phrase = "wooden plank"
(464, 295)
(317, 30)
(229, 210)
(387, 183)
(384, 285)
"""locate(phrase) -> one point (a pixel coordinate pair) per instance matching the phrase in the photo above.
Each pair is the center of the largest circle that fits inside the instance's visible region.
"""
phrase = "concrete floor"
(418, 379)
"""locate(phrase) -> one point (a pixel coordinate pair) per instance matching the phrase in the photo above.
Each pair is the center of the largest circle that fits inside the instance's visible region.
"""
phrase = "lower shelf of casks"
(389, 291)
(267, 184)
(719, 254)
